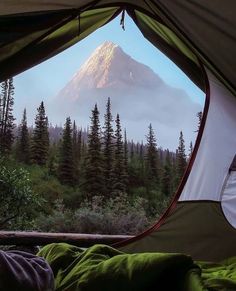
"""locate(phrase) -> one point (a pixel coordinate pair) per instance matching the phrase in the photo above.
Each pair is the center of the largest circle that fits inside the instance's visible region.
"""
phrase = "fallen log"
(42, 238)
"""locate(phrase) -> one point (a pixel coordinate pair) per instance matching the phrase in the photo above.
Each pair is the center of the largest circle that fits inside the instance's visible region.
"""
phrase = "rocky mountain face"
(137, 93)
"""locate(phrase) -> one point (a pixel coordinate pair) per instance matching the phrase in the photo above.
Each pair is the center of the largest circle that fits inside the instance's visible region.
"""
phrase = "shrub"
(48, 187)
(113, 216)
(18, 201)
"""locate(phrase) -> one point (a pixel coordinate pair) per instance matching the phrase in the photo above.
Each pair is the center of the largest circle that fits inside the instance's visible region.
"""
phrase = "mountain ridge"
(136, 92)
(110, 67)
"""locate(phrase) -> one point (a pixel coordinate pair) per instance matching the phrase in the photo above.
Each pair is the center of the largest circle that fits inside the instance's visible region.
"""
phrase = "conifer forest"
(67, 179)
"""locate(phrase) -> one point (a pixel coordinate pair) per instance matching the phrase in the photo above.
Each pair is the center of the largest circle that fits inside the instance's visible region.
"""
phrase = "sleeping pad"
(103, 268)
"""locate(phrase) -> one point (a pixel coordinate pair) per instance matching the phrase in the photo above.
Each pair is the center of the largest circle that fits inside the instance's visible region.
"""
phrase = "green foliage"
(6, 117)
(126, 154)
(40, 139)
(59, 221)
(47, 186)
(136, 175)
(190, 150)
(66, 167)
(76, 151)
(18, 201)
(108, 150)
(114, 216)
(167, 177)
(119, 182)
(160, 205)
(199, 116)
(152, 157)
(181, 157)
(93, 184)
(73, 197)
(23, 146)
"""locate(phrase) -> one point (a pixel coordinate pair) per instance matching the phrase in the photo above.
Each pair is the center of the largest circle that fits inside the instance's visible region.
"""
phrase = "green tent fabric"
(32, 31)
(199, 36)
(41, 36)
(102, 268)
(190, 229)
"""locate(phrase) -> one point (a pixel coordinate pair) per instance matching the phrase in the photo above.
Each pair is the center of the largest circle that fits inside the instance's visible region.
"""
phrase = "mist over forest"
(93, 180)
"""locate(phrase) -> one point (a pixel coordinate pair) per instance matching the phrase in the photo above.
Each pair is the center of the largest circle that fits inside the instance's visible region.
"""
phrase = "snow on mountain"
(110, 67)
(136, 92)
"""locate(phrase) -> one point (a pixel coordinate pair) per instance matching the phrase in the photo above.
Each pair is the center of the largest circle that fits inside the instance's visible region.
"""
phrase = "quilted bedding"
(103, 268)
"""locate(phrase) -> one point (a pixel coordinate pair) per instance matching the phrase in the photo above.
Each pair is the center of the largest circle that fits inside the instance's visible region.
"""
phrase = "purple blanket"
(24, 271)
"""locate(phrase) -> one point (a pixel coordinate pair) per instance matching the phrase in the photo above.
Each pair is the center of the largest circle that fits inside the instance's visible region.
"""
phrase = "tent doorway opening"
(142, 153)
(195, 36)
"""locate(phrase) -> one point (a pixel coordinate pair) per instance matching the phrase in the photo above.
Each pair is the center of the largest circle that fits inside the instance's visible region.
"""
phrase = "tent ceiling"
(13, 6)
(32, 31)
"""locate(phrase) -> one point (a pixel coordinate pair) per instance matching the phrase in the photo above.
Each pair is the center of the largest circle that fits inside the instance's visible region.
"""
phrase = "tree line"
(99, 162)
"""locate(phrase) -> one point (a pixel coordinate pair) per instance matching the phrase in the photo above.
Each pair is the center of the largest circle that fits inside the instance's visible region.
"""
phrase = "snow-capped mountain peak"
(136, 92)
(109, 66)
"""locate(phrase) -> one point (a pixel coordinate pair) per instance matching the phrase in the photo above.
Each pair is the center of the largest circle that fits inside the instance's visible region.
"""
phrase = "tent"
(199, 36)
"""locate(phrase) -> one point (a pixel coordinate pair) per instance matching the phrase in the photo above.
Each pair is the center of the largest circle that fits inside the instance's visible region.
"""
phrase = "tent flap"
(31, 46)
(205, 28)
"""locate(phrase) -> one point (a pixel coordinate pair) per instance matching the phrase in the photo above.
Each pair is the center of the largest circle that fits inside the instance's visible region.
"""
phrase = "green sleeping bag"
(103, 268)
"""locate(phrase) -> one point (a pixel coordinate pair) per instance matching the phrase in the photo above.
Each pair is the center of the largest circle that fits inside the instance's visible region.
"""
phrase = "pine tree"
(79, 145)
(66, 170)
(141, 151)
(160, 157)
(199, 116)
(74, 136)
(166, 180)
(125, 156)
(190, 150)
(6, 116)
(137, 149)
(152, 156)
(75, 149)
(141, 160)
(119, 182)
(84, 148)
(108, 149)
(52, 163)
(181, 157)
(175, 171)
(40, 138)
(132, 150)
(23, 142)
(94, 182)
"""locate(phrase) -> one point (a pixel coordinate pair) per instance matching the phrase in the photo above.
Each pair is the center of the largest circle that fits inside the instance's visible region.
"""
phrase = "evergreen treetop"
(152, 156)
(66, 170)
(6, 116)
(119, 182)
(40, 139)
(167, 176)
(125, 153)
(181, 157)
(23, 142)
(94, 184)
(108, 148)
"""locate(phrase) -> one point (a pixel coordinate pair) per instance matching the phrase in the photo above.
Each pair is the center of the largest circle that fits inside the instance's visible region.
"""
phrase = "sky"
(47, 79)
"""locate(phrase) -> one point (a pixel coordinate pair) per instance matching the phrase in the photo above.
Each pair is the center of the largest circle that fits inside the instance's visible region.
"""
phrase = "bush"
(113, 216)
(18, 201)
(59, 221)
(48, 187)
